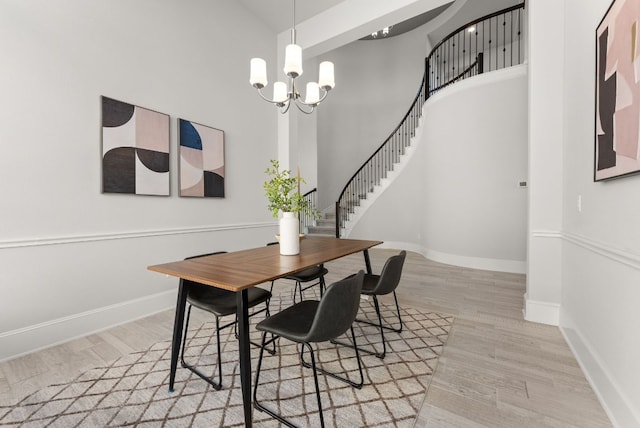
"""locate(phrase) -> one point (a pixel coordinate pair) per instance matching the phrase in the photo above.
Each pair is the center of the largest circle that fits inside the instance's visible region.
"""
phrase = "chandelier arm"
(302, 104)
(285, 107)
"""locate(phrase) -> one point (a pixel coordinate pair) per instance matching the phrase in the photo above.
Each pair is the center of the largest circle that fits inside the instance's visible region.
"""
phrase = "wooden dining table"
(238, 271)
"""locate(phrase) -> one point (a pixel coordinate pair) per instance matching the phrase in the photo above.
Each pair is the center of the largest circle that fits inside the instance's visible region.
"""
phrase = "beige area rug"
(133, 391)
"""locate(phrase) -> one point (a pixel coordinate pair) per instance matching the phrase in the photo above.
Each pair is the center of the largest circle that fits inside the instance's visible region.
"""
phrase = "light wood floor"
(496, 370)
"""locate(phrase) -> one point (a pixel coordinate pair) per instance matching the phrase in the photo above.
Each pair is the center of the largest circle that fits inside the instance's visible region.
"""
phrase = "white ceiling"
(278, 14)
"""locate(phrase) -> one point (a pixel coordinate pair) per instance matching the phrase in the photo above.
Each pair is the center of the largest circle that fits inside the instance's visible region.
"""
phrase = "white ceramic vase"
(289, 234)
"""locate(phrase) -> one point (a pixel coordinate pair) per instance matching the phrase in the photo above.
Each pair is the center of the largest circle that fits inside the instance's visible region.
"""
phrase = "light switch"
(579, 204)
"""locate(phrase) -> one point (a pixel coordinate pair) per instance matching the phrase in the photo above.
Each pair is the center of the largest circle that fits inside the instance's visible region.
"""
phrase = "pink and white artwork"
(617, 148)
(201, 160)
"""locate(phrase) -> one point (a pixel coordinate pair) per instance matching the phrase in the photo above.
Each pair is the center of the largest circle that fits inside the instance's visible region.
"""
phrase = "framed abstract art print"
(202, 171)
(617, 124)
(135, 149)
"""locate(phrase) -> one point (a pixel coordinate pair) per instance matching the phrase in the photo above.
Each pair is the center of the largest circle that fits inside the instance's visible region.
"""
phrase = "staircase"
(325, 226)
(376, 171)
(368, 199)
(494, 43)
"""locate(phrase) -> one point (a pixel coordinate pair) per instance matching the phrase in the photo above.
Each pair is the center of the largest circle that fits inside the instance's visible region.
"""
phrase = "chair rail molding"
(74, 239)
(601, 248)
(611, 252)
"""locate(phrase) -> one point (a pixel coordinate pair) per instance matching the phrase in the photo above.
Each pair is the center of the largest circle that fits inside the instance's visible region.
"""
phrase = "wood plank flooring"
(496, 370)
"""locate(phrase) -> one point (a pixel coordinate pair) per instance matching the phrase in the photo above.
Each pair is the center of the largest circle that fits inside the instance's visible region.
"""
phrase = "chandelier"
(284, 96)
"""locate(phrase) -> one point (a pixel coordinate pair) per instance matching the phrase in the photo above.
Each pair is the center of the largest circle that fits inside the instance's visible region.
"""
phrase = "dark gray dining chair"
(314, 275)
(378, 285)
(220, 303)
(313, 321)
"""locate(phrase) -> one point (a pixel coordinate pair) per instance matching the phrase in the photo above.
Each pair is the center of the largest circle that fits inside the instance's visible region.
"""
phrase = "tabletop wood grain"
(243, 269)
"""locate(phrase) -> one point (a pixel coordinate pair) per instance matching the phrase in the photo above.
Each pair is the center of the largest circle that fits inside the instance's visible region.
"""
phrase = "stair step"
(322, 230)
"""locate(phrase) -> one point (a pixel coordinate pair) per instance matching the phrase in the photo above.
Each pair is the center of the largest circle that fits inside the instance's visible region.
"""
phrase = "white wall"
(601, 251)
(457, 200)
(480, 154)
(546, 98)
(73, 260)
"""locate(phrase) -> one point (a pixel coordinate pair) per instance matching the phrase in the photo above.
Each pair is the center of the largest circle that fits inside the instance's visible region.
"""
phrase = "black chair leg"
(260, 407)
(216, 385)
(388, 327)
(210, 381)
(315, 378)
(384, 345)
(256, 402)
(380, 355)
(397, 330)
(270, 292)
(267, 315)
(299, 287)
(322, 286)
(335, 376)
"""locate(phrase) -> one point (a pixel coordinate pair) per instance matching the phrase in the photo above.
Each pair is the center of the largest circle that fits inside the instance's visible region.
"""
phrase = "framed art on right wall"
(617, 124)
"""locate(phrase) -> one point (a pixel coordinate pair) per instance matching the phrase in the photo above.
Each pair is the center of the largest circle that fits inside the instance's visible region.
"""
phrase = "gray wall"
(72, 259)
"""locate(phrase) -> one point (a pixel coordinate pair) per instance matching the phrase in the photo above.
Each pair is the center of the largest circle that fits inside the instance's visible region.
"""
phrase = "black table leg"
(178, 325)
(245, 354)
(367, 262)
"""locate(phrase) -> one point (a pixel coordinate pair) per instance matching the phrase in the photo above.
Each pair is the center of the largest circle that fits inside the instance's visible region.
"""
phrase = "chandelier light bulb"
(258, 77)
(293, 61)
(326, 79)
(313, 93)
(280, 92)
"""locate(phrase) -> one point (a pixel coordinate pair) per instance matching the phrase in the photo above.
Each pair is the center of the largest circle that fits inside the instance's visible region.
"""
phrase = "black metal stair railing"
(307, 220)
(489, 43)
(494, 42)
(379, 163)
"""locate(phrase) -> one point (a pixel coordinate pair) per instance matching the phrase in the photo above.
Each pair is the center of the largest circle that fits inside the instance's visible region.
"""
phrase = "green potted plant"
(283, 193)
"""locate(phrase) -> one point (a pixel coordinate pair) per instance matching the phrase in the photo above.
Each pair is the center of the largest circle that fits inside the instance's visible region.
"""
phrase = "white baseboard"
(25, 340)
(498, 265)
(618, 407)
(541, 312)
